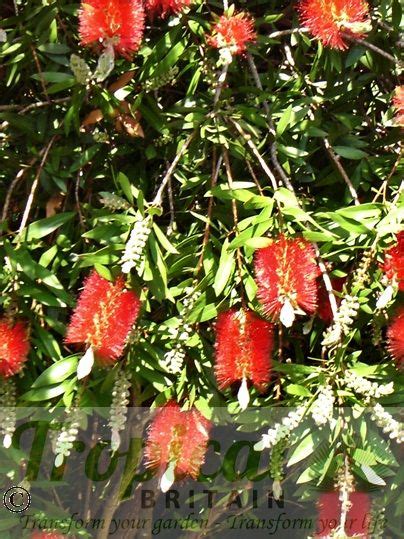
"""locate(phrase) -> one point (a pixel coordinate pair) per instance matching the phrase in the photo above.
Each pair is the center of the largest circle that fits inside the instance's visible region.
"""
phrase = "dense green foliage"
(281, 153)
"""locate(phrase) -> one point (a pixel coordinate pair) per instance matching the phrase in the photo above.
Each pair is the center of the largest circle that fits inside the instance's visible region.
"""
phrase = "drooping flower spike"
(286, 273)
(116, 23)
(14, 347)
(102, 320)
(395, 337)
(244, 344)
(398, 104)
(163, 8)
(393, 265)
(176, 443)
(328, 20)
(233, 32)
(357, 519)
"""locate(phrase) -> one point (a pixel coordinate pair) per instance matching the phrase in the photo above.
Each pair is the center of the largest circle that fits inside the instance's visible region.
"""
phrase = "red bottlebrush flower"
(163, 8)
(14, 347)
(233, 32)
(120, 22)
(393, 265)
(103, 317)
(329, 515)
(178, 439)
(395, 337)
(324, 308)
(286, 273)
(398, 103)
(328, 20)
(244, 344)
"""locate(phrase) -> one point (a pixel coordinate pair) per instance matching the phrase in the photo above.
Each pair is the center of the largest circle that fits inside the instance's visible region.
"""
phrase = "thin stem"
(341, 170)
(255, 151)
(254, 177)
(274, 147)
(372, 47)
(327, 282)
(35, 186)
(14, 183)
(213, 181)
(77, 197)
(288, 32)
(383, 187)
(41, 78)
(235, 220)
(220, 83)
(171, 226)
(158, 198)
(39, 104)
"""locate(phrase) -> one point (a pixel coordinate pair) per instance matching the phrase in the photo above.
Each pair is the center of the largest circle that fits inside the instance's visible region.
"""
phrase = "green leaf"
(284, 121)
(364, 457)
(349, 152)
(46, 393)
(303, 450)
(225, 270)
(295, 389)
(163, 240)
(53, 76)
(57, 372)
(54, 48)
(257, 243)
(372, 476)
(124, 182)
(40, 229)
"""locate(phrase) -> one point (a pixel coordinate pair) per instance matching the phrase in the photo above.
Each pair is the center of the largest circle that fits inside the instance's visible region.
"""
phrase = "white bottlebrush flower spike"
(7, 411)
(134, 249)
(323, 406)
(67, 435)
(118, 411)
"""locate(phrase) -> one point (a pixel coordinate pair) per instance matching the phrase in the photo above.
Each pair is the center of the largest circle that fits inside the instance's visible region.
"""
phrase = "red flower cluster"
(119, 21)
(328, 20)
(178, 438)
(14, 347)
(398, 103)
(329, 515)
(393, 265)
(324, 308)
(395, 337)
(233, 32)
(286, 271)
(163, 8)
(104, 316)
(244, 344)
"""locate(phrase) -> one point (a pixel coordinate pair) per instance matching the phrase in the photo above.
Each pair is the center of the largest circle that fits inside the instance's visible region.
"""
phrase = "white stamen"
(115, 440)
(287, 315)
(385, 297)
(7, 441)
(168, 478)
(85, 364)
(277, 489)
(243, 395)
